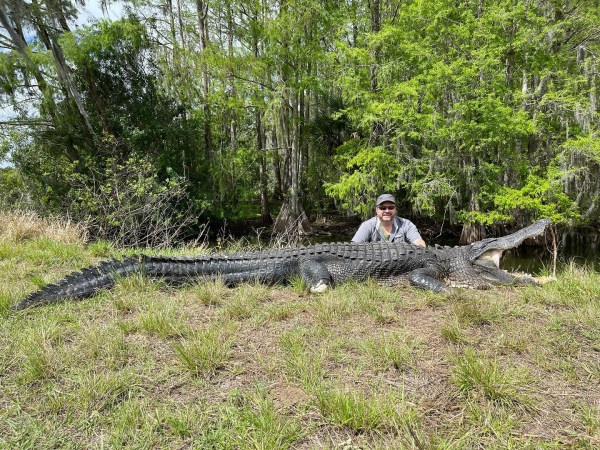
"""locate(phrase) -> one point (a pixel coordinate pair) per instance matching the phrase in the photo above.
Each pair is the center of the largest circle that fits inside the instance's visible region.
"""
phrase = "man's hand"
(420, 243)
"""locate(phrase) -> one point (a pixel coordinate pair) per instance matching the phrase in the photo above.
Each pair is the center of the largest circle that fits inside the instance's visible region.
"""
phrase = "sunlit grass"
(477, 375)
(473, 312)
(256, 424)
(101, 391)
(148, 365)
(391, 350)
(452, 331)
(301, 362)
(206, 351)
(361, 412)
(163, 320)
(576, 287)
(212, 293)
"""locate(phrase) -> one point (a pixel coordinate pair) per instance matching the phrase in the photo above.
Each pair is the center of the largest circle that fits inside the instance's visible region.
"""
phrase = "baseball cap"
(385, 198)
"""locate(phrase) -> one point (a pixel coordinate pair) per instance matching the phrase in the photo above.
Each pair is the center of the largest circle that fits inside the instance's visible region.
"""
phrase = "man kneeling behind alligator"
(320, 266)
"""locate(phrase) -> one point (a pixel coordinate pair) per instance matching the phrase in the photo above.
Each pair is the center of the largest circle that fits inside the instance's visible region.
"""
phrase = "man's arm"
(363, 234)
(420, 242)
(412, 234)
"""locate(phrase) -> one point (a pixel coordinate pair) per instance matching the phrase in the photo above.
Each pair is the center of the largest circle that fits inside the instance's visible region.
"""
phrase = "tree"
(456, 120)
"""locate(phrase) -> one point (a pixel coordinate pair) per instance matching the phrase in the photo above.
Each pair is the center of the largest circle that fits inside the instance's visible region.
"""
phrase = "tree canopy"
(476, 112)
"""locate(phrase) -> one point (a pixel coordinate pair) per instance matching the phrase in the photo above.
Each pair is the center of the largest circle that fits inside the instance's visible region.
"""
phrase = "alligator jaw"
(491, 257)
(480, 248)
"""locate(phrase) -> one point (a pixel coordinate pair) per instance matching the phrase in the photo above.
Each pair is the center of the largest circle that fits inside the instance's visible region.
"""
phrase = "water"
(573, 248)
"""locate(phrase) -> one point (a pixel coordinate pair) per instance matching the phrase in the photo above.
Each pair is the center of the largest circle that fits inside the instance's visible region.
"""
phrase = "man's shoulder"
(371, 220)
(365, 230)
(404, 222)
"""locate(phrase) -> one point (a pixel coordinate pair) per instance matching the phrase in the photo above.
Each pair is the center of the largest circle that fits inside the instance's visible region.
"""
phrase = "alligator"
(320, 267)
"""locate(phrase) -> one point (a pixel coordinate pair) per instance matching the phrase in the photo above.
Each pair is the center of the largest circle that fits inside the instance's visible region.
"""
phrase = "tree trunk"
(291, 218)
(265, 212)
(291, 223)
(471, 232)
(202, 11)
(18, 40)
(47, 36)
(375, 28)
(231, 91)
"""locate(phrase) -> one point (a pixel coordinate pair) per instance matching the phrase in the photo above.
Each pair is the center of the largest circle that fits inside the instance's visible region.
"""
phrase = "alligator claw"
(319, 288)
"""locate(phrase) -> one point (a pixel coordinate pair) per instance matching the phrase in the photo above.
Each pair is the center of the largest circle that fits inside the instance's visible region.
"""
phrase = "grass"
(145, 365)
(205, 351)
(363, 413)
(396, 349)
(475, 375)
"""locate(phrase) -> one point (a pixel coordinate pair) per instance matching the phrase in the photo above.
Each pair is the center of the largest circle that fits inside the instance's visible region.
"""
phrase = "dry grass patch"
(23, 226)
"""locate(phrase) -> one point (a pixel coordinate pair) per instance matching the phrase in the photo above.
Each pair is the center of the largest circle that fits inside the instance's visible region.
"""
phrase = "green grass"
(146, 365)
(396, 349)
(206, 351)
(302, 364)
(364, 413)
(476, 375)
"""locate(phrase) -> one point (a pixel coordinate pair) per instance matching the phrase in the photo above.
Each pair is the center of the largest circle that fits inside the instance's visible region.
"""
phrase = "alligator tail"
(174, 270)
(84, 283)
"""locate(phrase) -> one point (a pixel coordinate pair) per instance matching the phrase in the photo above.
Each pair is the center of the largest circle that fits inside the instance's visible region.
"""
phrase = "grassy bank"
(362, 366)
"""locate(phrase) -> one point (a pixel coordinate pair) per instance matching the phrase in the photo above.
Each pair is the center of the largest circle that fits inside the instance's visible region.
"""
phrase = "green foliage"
(369, 172)
(473, 112)
(540, 198)
(12, 189)
(458, 128)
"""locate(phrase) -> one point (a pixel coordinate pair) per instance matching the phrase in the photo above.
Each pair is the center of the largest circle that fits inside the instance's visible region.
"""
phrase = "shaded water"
(577, 248)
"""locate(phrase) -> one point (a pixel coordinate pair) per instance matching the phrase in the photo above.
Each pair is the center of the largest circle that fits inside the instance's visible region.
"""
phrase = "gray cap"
(385, 198)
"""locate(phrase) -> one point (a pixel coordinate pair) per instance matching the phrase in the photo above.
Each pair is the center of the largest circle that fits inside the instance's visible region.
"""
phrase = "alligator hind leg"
(315, 275)
(426, 279)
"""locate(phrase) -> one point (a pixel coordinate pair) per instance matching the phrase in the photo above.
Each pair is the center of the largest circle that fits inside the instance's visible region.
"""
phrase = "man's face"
(386, 211)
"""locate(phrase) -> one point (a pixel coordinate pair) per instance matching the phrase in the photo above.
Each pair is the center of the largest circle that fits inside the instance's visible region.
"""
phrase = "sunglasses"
(386, 208)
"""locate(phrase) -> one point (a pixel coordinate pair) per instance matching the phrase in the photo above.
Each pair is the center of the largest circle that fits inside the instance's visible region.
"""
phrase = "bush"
(130, 206)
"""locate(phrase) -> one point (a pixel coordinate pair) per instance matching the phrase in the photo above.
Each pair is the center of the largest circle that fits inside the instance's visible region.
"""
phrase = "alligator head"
(482, 268)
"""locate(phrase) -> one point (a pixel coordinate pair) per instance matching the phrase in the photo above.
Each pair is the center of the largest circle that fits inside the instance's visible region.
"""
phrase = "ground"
(362, 366)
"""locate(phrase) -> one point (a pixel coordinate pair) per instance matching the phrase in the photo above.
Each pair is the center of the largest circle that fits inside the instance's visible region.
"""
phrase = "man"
(386, 226)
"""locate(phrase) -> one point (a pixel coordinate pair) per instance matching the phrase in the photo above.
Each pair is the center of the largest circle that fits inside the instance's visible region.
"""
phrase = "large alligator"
(319, 266)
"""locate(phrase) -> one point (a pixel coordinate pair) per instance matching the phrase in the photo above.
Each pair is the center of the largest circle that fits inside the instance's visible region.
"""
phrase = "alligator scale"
(320, 266)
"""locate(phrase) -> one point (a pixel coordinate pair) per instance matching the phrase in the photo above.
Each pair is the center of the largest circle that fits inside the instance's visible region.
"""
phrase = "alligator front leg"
(315, 275)
(426, 278)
